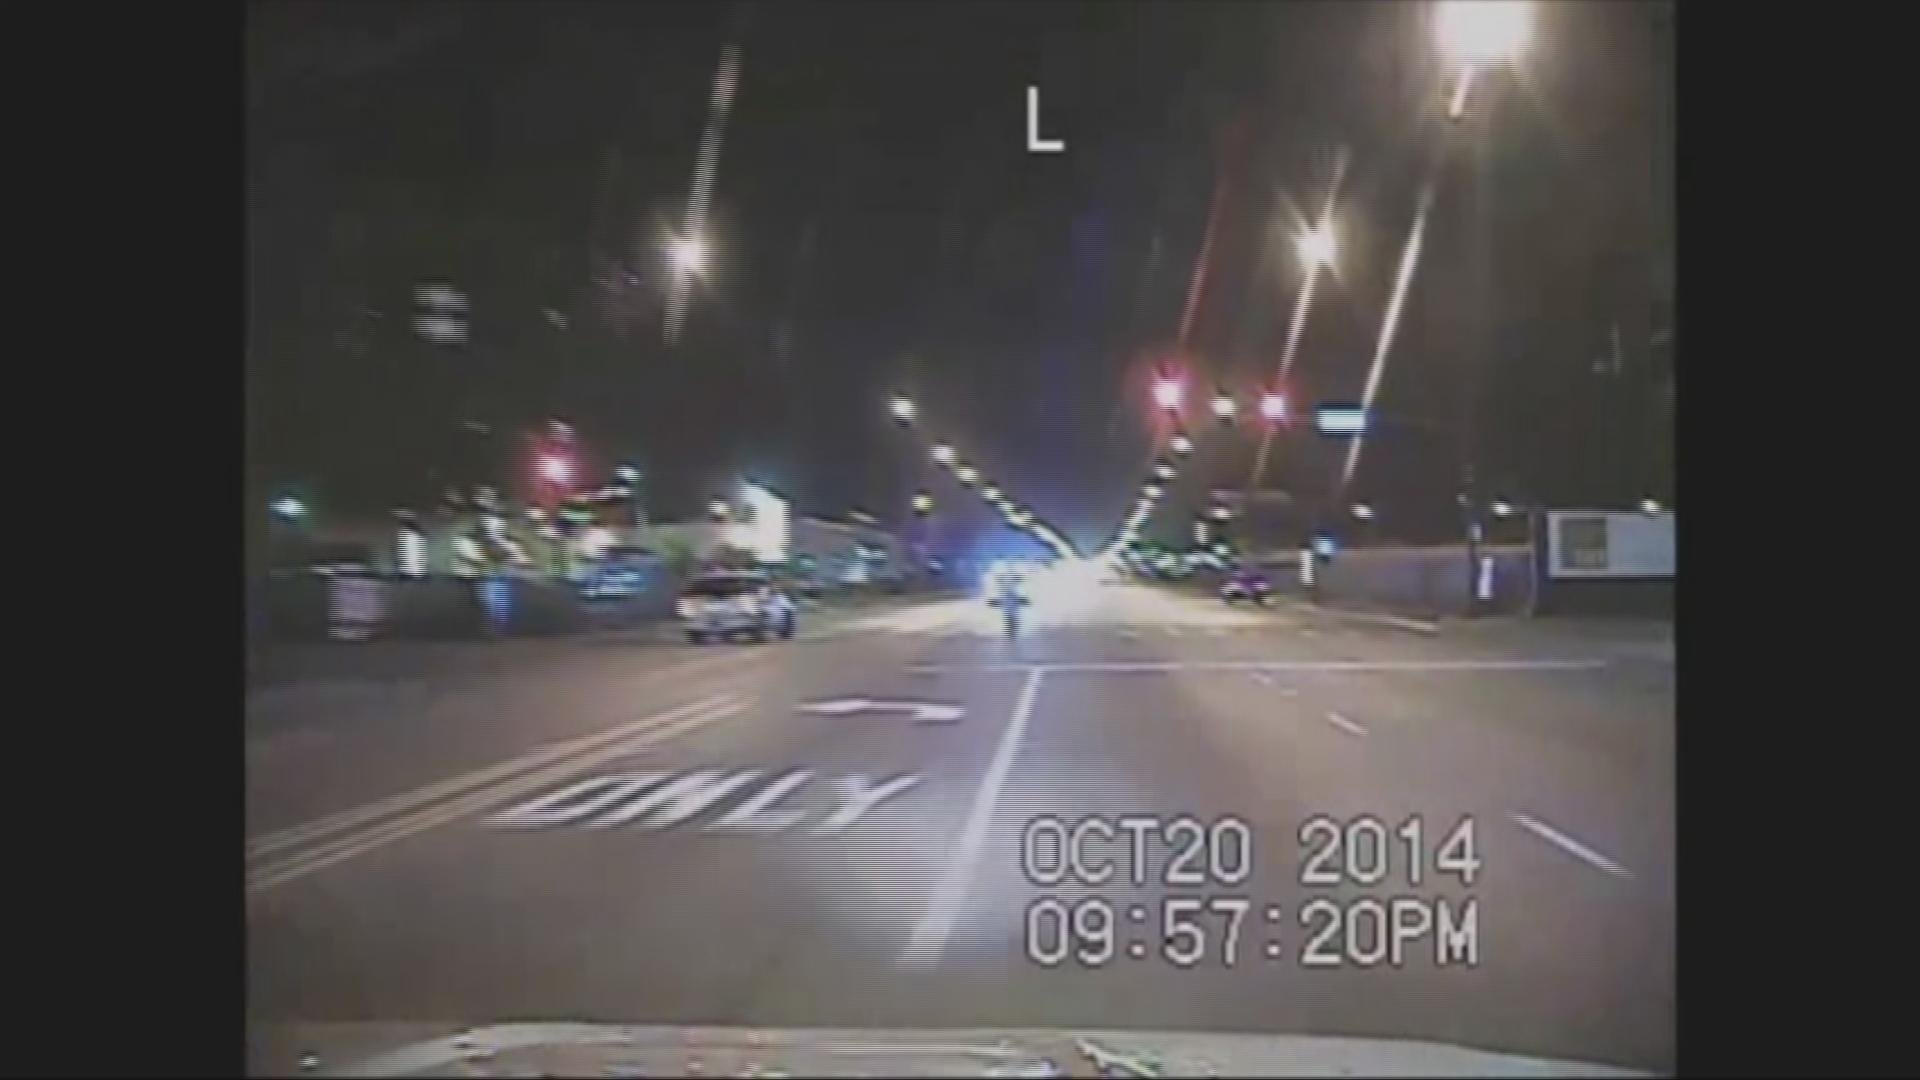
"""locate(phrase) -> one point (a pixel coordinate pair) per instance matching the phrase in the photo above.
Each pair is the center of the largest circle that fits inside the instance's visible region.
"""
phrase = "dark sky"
(878, 224)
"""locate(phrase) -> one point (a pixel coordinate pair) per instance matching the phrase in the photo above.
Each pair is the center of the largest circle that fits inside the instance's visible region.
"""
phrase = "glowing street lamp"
(289, 508)
(689, 255)
(1181, 444)
(555, 469)
(943, 454)
(1317, 248)
(1649, 506)
(1152, 491)
(1163, 470)
(1273, 407)
(1223, 407)
(966, 474)
(903, 409)
(718, 509)
(1363, 511)
(1221, 513)
(1167, 393)
(1482, 31)
(922, 503)
(991, 493)
(1502, 508)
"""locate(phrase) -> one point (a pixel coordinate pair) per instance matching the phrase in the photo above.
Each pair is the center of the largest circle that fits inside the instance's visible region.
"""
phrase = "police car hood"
(571, 1049)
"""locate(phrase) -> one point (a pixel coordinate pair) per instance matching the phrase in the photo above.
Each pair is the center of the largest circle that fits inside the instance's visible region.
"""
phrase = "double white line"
(282, 856)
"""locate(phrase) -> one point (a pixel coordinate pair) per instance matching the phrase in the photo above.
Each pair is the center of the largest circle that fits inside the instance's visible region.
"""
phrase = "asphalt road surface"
(841, 830)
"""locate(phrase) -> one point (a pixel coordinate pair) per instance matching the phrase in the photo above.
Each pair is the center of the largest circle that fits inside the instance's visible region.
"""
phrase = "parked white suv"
(725, 605)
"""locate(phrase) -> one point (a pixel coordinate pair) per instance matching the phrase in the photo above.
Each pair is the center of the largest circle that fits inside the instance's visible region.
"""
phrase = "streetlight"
(1363, 511)
(1152, 491)
(1649, 506)
(1221, 513)
(555, 469)
(689, 255)
(289, 508)
(1482, 31)
(1167, 393)
(922, 503)
(1163, 470)
(1502, 508)
(627, 474)
(903, 409)
(943, 454)
(1223, 407)
(991, 493)
(718, 509)
(1181, 444)
(1273, 407)
(1317, 247)
(966, 474)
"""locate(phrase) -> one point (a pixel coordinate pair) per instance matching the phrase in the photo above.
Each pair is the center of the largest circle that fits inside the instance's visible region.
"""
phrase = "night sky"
(877, 224)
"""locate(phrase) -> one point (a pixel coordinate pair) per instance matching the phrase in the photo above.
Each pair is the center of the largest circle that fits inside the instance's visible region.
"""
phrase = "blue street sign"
(1341, 420)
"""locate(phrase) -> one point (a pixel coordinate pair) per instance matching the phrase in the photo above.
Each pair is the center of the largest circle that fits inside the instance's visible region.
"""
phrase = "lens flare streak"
(1408, 260)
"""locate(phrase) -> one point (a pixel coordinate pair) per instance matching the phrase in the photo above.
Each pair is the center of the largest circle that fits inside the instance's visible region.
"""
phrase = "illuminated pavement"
(828, 831)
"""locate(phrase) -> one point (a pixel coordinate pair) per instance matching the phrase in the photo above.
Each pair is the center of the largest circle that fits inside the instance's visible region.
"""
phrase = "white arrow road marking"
(837, 707)
(861, 797)
(1569, 845)
(924, 712)
(930, 935)
(752, 816)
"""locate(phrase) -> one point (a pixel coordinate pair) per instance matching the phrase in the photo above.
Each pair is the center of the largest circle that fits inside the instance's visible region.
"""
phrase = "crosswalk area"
(1124, 633)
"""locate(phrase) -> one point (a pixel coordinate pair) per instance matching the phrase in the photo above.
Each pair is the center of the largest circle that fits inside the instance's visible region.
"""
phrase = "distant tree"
(677, 553)
(732, 557)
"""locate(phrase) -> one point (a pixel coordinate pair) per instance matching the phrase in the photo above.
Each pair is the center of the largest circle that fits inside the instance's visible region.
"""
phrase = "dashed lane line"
(1346, 725)
(1569, 845)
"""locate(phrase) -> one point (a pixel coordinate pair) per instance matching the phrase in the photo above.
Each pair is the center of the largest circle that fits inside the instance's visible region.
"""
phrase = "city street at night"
(828, 831)
(961, 539)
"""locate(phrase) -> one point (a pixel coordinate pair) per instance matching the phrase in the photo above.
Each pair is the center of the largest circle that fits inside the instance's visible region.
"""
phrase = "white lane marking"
(752, 816)
(861, 795)
(930, 935)
(411, 800)
(1346, 725)
(1398, 622)
(924, 712)
(685, 797)
(308, 860)
(1100, 666)
(565, 805)
(1569, 845)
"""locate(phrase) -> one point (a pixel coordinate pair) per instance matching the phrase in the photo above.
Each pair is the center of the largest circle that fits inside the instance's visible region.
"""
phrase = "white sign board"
(1609, 544)
(761, 524)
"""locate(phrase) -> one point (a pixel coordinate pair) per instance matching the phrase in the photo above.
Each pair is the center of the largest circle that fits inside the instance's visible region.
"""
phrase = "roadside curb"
(1378, 618)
